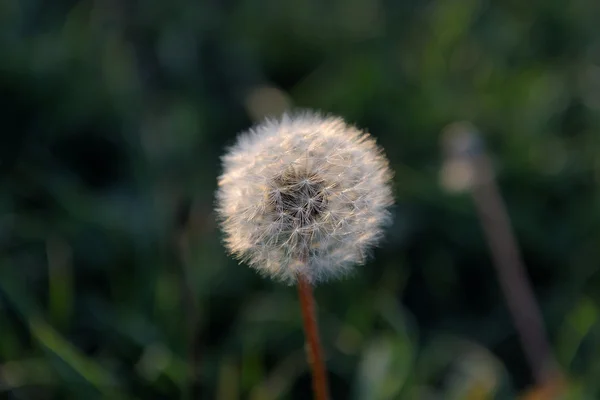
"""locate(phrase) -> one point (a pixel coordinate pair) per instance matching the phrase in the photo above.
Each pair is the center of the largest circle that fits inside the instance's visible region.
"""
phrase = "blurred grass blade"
(577, 326)
(49, 338)
(60, 281)
(53, 341)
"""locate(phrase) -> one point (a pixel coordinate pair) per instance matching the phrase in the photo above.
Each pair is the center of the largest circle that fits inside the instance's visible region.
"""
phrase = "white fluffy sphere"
(305, 194)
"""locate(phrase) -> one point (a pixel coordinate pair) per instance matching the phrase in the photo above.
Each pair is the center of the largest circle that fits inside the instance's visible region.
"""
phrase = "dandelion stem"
(314, 351)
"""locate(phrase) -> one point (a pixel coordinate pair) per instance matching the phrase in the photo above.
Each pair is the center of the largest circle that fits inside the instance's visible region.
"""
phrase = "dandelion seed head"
(304, 194)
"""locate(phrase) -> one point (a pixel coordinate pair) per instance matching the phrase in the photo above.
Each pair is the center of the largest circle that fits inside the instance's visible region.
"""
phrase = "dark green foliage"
(113, 115)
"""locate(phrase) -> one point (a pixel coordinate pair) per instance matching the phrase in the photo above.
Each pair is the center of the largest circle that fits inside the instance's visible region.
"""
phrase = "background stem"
(511, 272)
(465, 148)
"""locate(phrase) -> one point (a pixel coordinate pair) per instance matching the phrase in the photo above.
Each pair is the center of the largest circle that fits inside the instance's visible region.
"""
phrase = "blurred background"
(113, 116)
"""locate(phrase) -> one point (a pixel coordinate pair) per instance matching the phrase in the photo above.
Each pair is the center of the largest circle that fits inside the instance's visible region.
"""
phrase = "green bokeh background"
(114, 283)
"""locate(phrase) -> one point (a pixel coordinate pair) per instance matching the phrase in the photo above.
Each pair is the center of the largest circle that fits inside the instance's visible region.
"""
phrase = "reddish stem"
(314, 351)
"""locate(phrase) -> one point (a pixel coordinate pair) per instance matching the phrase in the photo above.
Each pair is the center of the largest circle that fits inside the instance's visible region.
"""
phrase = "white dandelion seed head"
(305, 194)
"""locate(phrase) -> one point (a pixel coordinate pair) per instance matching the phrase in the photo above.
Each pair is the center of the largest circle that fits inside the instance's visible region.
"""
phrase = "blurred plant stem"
(314, 351)
(465, 148)
(192, 309)
(60, 281)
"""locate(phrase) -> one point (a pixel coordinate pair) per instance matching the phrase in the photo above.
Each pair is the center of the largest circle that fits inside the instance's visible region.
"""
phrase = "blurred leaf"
(385, 366)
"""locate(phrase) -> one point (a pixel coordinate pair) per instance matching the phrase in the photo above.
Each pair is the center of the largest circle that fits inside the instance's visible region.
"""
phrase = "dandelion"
(306, 195)
(302, 199)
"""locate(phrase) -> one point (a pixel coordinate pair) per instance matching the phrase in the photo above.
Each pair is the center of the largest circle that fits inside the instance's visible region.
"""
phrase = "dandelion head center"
(298, 196)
